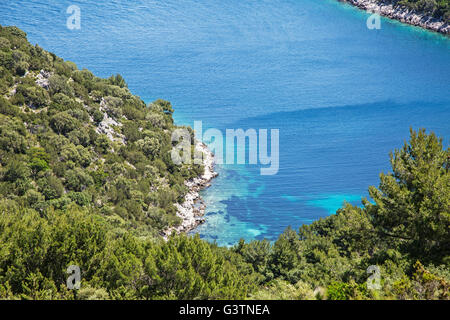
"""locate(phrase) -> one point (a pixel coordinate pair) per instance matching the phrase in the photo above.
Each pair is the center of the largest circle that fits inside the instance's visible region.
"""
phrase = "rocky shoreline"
(191, 211)
(403, 14)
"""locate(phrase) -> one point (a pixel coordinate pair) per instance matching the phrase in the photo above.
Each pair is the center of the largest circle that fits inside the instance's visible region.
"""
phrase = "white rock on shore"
(188, 211)
(403, 14)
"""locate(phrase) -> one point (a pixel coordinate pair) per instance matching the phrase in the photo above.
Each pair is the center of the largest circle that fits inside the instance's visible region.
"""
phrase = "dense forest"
(86, 179)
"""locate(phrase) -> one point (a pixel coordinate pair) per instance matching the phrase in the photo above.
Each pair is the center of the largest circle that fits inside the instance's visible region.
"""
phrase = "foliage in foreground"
(36, 251)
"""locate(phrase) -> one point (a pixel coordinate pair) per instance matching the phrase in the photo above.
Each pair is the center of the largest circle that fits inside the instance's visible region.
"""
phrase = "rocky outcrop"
(42, 79)
(403, 14)
(106, 126)
(191, 211)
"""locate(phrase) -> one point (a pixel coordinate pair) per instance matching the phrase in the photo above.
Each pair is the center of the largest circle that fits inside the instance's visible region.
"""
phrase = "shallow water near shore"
(341, 95)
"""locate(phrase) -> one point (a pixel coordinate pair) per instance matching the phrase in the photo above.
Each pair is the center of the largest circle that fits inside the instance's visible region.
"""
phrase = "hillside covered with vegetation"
(86, 179)
(70, 138)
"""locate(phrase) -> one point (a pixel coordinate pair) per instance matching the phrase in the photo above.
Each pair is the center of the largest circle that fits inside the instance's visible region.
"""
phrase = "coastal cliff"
(393, 10)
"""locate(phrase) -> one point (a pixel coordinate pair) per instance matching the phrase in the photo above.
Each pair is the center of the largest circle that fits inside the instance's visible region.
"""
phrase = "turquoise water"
(342, 95)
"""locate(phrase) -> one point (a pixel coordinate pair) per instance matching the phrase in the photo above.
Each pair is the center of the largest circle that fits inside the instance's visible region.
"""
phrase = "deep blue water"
(342, 95)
